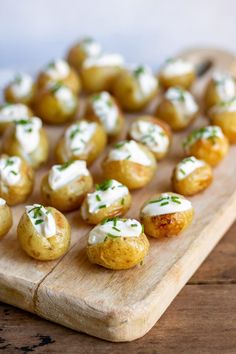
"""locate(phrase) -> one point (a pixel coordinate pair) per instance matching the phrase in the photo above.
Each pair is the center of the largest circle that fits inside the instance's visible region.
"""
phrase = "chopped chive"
(122, 201)
(39, 221)
(164, 203)
(98, 198)
(115, 228)
(133, 225)
(102, 206)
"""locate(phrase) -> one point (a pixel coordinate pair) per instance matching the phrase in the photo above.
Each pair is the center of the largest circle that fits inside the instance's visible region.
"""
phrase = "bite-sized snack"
(16, 179)
(111, 198)
(43, 232)
(56, 104)
(84, 49)
(117, 244)
(9, 112)
(221, 87)
(152, 132)
(178, 108)
(5, 218)
(207, 143)
(26, 138)
(102, 108)
(20, 90)
(224, 115)
(65, 186)
(59, 71)
(82, 140)
(98, 73)
(177, 72)
(130, 163)
(166, 215)
(191, 176)
(134, 88)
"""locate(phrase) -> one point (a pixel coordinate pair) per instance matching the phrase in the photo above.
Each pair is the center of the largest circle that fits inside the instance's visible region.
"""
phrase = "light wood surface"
(124, 305)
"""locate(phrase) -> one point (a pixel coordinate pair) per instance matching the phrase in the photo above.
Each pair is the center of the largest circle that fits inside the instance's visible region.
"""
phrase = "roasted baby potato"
(111, 198)
(98, 73)
(20, 90)
(208, 144)
(177, 108)
(130, 163)
(82, 140)
(9, 112)
(134, 88)
(166, 215)
(177, 72)
(56, 104)
(65, 186)
(117, 244)
(28, 140)
(43, 232)
(153, 133)
(5, 218)
(16, 179)
(102, 108)
(191, 176)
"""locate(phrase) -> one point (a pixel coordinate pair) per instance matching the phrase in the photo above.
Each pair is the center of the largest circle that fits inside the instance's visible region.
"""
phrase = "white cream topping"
(166, 204)
(61, 175)
(225, 85)
(106, 110)
(21, 85)
(11, 112)
(146, 80)
(28, 133)
(150, 134)
(91, 47)
(78, 135)
(2, 202)
(104, 60)
(183, 100)
(131, 151)
(42, 220)
(66, 97)
(113, 228)
(187, 166)
(106, 194)
(10, 168)
(209, 132)
(176, 67)
(57, 70)
(224, 106)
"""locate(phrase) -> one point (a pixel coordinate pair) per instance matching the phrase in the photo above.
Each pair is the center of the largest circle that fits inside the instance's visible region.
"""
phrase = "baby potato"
(110, 199)
(166, 215)
(117, 244)
(191, 176)
(5, 218)
(177, 108)
(20, 90)
(9, 112)
(130, 163)
(16, 179)
(82, 140)
(65, 186)
(135, 88)
(56, 104)
(43, 232)
(177, 72)
(28, 140)
(153, 133)
(208, 144)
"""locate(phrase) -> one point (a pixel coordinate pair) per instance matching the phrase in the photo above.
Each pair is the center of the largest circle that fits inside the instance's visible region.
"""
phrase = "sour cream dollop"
(11, 112)
(224, 106)
(28, 133)
(146, 80)
(2, 202)
(90, 47)
(104, 60)
(21, 85)
(225, 85)
(57, 70)
(177, 67)
(188, 166)
(10, 170)
(65, 96)
(183, 100)
(209, 132)
(42, 220)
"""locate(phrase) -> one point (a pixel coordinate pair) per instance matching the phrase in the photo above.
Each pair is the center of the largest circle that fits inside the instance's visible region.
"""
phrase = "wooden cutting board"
(123, 305)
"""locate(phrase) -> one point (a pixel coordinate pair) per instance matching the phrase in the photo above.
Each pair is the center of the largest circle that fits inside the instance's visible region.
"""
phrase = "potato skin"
(227, 122)
(211, 96)
(42, 248)
(4, 126)
(11, 98)
(69, 197)
(5, 220)
(185, 81)
(121, 253)
(95, 79)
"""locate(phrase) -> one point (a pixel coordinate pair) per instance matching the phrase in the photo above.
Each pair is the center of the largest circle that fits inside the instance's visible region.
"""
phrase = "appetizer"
(98, 73)
(56, 104)
(102, 108)
(27, 139)
(20, 90)
(59, 71)
(43, 232)
(9, 112)
(84, 49)
(5, 218)
(117, 244)
(178, 108)
(82, 141)
(130, 163)
(207, 143)
(65, 186)
(166, 215)
(153, 133)
(191, 176)
(111, 198)
(177, 72)
(134, 88)
(16, 179)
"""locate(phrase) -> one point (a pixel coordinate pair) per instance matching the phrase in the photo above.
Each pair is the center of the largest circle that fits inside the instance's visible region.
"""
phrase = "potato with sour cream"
(20, 90)
(9, 112)
(5, 218)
